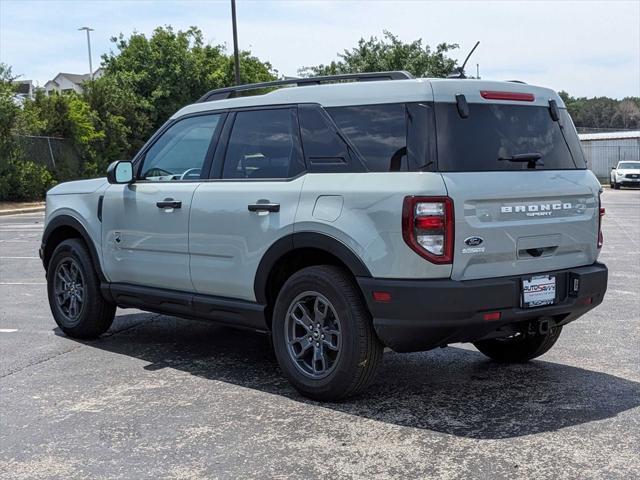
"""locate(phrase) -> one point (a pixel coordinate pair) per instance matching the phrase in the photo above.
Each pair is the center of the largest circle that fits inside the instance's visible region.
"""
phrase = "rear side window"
(570, 134)
(263, 144)
(321, 143)
(492, 132)
(378, 132)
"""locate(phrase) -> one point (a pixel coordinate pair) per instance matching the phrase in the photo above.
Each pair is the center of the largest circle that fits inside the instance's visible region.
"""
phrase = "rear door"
(516, 213)
(250, 202)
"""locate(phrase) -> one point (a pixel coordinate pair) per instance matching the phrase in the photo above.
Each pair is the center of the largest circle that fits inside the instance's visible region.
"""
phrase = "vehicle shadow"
(452, 390)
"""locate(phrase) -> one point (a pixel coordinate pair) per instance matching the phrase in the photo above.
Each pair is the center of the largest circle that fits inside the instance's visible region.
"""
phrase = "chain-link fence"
(601, 158)
(59, 155)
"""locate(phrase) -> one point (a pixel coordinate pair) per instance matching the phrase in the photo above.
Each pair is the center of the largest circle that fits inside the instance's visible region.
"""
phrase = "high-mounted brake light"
(427, 227)
(514, 96)
(600, 215)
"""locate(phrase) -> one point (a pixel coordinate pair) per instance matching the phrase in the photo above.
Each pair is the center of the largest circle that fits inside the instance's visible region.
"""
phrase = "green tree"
(20, 179)
(603, 112)
(628, 113)
(9, 112)
(121, 116)
(148, 79)
(389, 53)
(70, 117)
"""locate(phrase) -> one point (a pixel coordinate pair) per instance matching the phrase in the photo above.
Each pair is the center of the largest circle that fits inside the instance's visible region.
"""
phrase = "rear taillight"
(427, 227)
(600, 215)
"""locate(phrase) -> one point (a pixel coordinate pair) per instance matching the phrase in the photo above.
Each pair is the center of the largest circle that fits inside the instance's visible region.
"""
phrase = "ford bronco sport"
(342, 215)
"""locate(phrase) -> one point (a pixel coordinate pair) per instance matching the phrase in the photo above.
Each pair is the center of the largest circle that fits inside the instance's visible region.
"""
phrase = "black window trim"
(138, 160)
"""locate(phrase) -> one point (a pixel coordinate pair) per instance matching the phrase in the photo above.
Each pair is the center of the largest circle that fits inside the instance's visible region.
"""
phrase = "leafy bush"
(25, 181)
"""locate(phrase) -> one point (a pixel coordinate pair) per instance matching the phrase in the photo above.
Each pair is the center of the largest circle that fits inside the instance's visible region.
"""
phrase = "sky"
(587, 48)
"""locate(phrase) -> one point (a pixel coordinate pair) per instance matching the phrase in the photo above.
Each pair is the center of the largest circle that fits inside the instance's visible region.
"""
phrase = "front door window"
(180, 152)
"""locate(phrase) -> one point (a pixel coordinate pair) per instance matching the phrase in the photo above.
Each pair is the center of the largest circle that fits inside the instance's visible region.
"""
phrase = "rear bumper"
(425, 314)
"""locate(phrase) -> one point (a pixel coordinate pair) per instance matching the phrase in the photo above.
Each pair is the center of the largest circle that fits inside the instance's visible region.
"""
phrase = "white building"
(24, 90)
(604, 150)
(69, 82)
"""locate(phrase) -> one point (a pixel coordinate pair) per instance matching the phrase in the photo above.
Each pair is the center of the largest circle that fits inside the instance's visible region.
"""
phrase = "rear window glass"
(378, 132)
(492, 132)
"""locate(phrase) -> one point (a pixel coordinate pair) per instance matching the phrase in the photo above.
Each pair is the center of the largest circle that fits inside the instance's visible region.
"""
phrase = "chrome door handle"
(264, 207)
(169, 203)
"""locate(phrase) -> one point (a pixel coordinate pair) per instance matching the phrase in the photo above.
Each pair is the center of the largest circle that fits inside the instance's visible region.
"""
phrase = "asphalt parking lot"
(159, 397)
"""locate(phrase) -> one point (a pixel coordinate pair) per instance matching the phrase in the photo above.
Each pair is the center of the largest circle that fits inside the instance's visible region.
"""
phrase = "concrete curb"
(16, 211)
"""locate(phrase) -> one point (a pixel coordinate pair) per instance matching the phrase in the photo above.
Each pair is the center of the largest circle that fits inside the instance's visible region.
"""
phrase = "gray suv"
(342, 215)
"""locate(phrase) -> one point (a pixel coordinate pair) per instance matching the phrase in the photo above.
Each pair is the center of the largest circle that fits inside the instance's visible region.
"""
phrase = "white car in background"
(626, 174)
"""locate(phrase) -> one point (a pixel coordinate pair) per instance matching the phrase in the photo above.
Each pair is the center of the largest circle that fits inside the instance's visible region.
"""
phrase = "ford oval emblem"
(473, 241)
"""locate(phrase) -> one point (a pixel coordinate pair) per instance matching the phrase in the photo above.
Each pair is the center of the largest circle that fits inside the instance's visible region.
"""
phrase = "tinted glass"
(379, 132)
(500, 131)
(322, 145)
(263, 144)
(181, 150)
(570, 134)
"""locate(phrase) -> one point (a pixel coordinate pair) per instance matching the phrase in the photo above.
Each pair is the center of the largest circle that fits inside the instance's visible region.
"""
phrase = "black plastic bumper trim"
(425, 314)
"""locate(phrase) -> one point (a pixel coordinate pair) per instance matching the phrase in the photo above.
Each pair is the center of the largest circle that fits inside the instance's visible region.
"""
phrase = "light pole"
(236, 57)
(89, 49)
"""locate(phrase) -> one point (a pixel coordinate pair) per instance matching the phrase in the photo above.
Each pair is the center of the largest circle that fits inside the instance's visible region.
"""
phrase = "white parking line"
(23, 283)
(10, 225)
(20, 258)
(8, 330)
(33, 214)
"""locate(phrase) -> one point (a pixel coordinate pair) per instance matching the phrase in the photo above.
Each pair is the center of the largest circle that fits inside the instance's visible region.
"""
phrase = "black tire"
(94, 315)
(360, 351)
(611, 184)
(616, 185)
(519, 349)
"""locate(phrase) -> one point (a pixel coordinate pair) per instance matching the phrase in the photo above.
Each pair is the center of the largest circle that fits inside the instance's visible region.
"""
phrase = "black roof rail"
(230, 92)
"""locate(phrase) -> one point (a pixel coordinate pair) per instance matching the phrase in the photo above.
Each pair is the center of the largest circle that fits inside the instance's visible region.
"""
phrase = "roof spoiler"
(230, 92)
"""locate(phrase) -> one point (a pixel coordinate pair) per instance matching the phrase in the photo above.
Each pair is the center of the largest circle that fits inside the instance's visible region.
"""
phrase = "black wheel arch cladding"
(299, 241)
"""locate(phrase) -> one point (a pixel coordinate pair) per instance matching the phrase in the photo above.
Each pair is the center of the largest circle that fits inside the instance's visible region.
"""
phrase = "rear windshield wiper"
(532, 159)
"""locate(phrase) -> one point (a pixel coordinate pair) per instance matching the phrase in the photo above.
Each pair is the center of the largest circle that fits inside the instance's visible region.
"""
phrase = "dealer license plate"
(538, 291)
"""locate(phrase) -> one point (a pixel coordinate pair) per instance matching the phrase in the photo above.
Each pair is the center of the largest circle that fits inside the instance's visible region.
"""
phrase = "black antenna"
(459, 72)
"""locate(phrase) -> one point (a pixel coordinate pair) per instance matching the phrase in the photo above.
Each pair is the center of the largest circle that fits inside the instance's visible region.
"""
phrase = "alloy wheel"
(313, 334)
(69, 289)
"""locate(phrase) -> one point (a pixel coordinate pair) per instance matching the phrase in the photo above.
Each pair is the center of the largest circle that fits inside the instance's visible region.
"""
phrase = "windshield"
(629, 165)
(496, 137)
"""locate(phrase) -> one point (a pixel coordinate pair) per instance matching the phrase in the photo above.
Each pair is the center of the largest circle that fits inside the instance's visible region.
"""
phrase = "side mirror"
(120, 172)
(613, 168)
